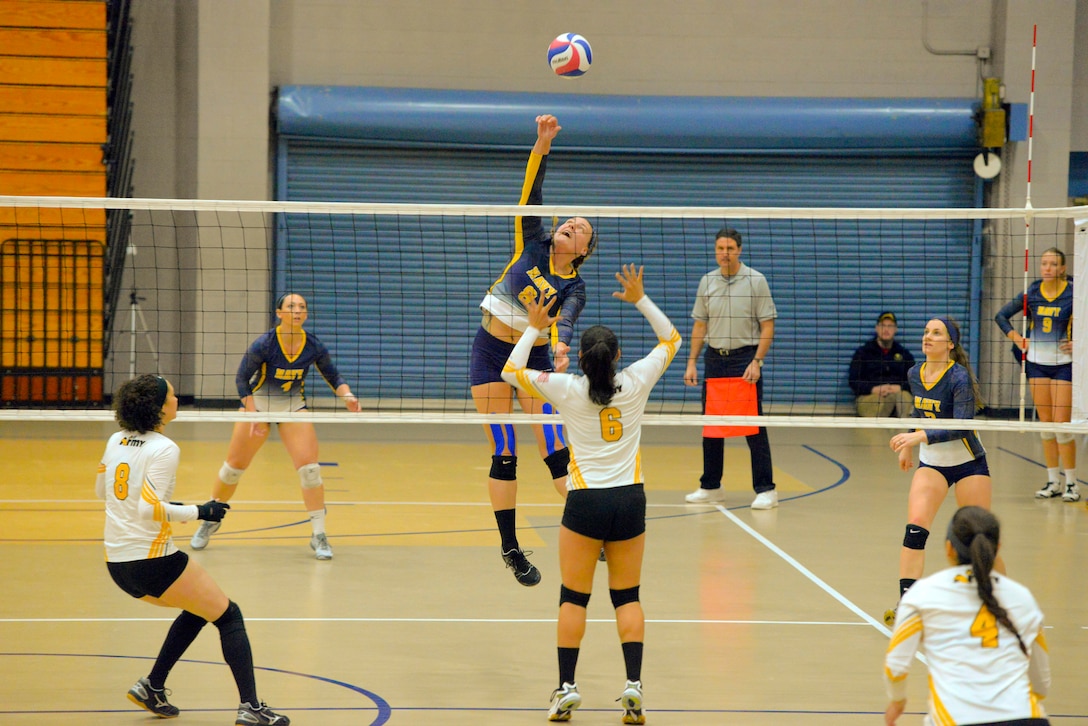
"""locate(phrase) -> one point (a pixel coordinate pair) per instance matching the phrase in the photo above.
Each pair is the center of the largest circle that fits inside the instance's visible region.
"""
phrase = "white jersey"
(136, 478)
(977, 672)
(604, 440)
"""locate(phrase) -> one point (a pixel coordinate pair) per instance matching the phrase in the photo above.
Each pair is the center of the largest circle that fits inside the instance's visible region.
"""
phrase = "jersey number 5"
(985, 627)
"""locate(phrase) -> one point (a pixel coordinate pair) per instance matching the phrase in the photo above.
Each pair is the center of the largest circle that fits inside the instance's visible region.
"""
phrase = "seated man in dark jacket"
(878, 373)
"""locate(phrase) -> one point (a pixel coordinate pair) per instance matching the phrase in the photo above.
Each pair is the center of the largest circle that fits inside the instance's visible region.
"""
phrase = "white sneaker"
(564, 701)
(319, 543)
(204, 534)
(1049, 491)
(631, 700)
(766, 500)
(705, 496)
(1072, 493)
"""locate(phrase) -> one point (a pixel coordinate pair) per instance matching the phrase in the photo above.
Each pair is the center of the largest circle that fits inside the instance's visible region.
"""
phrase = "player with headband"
(136, 478)
(544, 262)
(944, 387)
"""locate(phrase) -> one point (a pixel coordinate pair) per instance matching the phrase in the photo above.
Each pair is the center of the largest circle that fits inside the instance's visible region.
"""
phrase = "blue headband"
(160, 391)
(953, 331)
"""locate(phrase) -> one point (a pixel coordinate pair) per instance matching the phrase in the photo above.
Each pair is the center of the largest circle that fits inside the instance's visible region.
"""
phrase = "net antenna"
(136, 313)
(1027, 231)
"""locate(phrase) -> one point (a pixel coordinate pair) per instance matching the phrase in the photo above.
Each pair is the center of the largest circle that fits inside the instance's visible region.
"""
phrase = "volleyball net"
(394, 290)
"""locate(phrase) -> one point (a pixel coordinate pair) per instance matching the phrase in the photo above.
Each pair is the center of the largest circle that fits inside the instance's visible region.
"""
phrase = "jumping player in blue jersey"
(944, 387)
(1049, 366)
(271, 378)
(547, 262)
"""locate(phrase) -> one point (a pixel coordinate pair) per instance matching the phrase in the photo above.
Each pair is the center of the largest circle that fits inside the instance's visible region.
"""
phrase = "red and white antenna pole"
(1027, 225)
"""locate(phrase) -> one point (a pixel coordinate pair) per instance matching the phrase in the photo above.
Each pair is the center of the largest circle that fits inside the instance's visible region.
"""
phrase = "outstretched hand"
(631, 280)
(547, 127)
(539, 310)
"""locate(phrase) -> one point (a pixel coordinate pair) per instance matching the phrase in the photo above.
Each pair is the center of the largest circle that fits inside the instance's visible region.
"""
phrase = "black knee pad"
(623, 597)
(915, 537)
(231, 620)
(504, 468)
(581, 599)
(557, 463)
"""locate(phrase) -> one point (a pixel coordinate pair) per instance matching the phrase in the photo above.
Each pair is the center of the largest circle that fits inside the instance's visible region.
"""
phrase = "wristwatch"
(759, 361)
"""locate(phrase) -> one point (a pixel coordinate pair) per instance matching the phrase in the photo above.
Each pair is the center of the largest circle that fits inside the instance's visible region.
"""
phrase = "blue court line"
(1041, 465)
(385, 711)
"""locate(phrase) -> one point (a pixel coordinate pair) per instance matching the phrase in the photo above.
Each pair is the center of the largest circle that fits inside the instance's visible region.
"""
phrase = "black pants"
(717, 365)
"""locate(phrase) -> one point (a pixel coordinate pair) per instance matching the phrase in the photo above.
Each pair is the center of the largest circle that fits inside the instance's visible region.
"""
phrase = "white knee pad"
(1047, 435)
(229, 475)
(310, 476)
(1064, 437)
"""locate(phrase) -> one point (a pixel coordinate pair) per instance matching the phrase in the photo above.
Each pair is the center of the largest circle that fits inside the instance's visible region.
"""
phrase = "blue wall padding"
(674, 124)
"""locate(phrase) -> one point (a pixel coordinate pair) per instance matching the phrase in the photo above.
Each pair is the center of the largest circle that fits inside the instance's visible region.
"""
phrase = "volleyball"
(569, 55)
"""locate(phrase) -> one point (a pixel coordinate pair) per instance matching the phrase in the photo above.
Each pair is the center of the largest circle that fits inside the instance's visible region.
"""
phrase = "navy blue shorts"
(1062, 372)
(610, 515)
(952, 474)
(489, 355)
(148, 577)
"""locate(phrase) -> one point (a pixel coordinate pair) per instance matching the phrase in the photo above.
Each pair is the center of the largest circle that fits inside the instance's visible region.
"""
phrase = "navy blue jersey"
(267, 369)
(530, 270)
(951, 396)
(1050, 322)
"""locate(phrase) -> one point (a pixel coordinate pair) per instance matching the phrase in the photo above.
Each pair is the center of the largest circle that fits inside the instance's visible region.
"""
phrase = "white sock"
(1053, 474)
(1070, 477)
(317, 520)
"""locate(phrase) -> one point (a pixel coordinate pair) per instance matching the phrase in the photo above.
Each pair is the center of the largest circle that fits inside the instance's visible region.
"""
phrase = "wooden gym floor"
(752, 617)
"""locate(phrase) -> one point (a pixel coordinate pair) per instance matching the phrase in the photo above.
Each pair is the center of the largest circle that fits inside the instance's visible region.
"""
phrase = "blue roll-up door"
(395, 298)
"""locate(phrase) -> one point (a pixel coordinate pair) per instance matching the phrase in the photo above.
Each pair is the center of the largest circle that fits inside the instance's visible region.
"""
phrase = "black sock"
(632, 659)
(178, 639)
(568, 662)
(507, 529)
(237, 653)
(904, 584)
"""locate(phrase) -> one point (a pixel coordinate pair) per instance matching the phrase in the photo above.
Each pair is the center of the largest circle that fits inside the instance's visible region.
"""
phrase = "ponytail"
(975, 533)
(597, 359)
(959, 355)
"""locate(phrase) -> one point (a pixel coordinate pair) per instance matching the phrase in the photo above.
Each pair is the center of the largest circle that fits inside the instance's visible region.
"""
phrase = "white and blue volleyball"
(569, 55)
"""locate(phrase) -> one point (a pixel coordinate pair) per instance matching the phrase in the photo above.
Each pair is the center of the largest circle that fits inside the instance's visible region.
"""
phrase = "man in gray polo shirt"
(734, 314)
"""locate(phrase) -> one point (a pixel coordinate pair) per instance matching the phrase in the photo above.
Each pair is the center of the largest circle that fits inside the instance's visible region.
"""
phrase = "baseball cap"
(887, 316)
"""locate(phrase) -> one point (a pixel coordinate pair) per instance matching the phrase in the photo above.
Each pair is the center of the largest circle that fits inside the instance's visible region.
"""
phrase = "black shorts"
(610, 515)
(489, 355)
(952, 474)
(148, 577)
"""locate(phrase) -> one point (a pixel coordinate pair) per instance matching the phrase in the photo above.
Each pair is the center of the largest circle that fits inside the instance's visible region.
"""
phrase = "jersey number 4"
(984, 626)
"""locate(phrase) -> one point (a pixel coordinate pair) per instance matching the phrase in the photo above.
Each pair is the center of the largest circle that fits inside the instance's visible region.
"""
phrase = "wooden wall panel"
(53, 14)
(68, 129)
(16, 70)
(58, 100)
(51, 157)
(45, 183)
(37, 42)
(68, 217)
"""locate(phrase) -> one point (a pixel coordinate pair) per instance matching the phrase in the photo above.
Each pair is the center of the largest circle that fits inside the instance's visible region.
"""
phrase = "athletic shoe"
(1072, 493)
(261, 715)
(1049, 491)
(144, 696)
(705, 496)
(766, 500)
(889, 616)
(524, 571)
(631, 700)
(564, 701)
(204, 534)
(319, 543)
